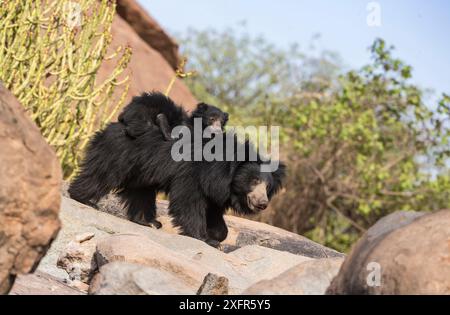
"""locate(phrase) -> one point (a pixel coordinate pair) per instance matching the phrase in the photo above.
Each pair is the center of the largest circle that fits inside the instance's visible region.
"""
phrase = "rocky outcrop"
(29, 192)
(171, 264)
(242, 232)
(149, 30)
(309, 278)
(403, 253)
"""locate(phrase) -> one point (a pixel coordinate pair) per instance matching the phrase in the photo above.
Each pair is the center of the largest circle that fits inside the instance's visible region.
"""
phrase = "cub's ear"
(278, 177)
(201, 107)
(200, 110)
(225, 117)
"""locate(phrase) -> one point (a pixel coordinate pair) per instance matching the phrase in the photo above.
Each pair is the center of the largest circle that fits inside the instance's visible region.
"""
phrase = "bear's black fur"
(199, 192)
(157, 110)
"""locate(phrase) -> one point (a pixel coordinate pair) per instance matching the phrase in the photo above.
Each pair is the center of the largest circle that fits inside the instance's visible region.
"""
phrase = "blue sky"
(420, 30)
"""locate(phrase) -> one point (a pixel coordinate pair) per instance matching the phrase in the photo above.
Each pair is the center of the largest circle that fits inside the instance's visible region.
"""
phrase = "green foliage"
(249, 76)
(358, 146)
(50, 63)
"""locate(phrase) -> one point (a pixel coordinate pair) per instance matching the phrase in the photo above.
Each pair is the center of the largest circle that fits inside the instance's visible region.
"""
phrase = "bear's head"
(211, 117)
(252, 189)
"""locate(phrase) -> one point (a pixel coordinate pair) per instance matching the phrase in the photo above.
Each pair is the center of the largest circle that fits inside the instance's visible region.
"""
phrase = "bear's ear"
(202, 107)
(225, 118)
(200, 110)
(278, 177)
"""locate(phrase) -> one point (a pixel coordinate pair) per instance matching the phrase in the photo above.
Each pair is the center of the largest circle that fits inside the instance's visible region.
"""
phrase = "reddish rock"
(29, 192)
(149, 30)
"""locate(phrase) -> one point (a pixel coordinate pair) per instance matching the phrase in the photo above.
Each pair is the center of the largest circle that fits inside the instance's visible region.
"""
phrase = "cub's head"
(211, 117)
(252, 189)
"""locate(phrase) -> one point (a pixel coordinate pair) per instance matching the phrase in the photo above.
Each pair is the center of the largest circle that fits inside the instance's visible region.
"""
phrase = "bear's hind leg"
(88, 190)
(141, 205)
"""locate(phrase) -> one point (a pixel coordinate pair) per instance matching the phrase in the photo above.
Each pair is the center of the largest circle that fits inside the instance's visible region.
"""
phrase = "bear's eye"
(254, 182)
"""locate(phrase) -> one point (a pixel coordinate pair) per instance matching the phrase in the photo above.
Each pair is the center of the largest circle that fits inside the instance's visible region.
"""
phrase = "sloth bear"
(199, 192)
(156, 109)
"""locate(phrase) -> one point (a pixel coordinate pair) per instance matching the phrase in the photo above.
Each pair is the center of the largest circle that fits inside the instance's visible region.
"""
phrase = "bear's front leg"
(189, 214)
(215, 225)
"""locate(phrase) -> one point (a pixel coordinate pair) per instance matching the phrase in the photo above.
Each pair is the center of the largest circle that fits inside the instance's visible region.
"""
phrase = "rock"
(77, 258)
(259, 263)
(132, 279)
(142, 250)
(149, 30)
(29, 192)
(77, 284)
(81, 238)
(40, 283)
(213, 285)
(403, 253)
(186, 259)
(244, 232)
(244, 266)
(308, 278)
(79, 219)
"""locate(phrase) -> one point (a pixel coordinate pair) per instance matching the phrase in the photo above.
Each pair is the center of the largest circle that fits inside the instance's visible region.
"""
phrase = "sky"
(420, 30)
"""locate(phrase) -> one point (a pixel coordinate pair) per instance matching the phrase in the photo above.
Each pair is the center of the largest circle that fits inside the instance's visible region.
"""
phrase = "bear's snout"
(257, 199)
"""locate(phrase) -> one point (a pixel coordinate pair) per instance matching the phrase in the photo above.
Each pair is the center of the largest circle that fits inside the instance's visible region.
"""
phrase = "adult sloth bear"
(199, 192)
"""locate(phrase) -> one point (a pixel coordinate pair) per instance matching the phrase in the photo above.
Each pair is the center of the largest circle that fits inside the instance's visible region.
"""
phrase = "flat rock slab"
(40, 283)
(308, 278)
(124, 278)
(244, 232)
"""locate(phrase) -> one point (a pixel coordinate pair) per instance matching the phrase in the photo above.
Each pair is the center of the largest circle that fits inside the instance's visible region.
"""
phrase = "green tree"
(358, 145)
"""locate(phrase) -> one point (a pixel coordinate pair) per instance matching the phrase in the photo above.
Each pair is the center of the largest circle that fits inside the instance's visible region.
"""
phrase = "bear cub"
(157, 110)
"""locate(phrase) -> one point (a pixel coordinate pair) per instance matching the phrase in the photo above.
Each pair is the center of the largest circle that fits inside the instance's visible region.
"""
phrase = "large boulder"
(403, 253)
(29, 192)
